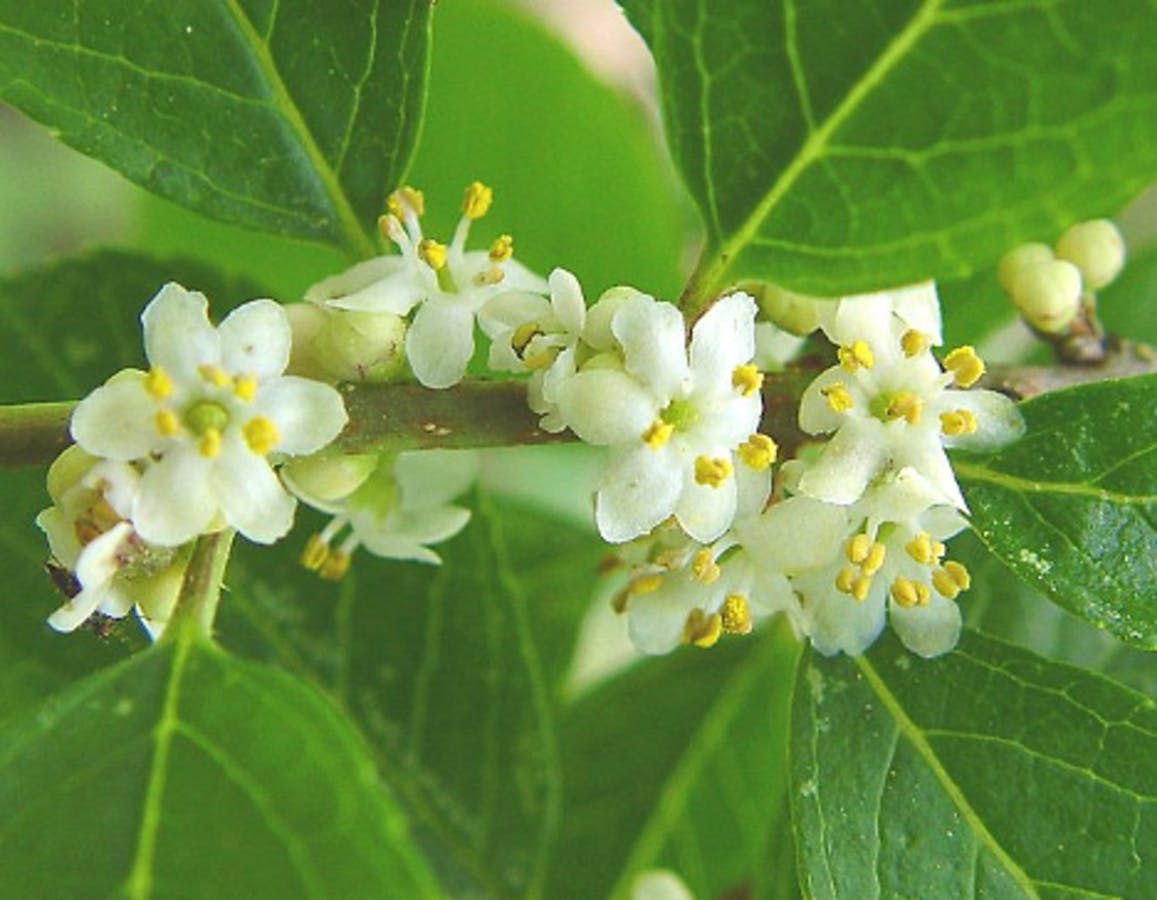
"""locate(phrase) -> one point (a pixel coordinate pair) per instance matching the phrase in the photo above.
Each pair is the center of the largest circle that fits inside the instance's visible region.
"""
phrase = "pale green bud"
(329, 478)
(1048, 294)
(795, 313)
(67, 470)
(1096, 248)
(361, 346)
(305, 323)
(1019, 258)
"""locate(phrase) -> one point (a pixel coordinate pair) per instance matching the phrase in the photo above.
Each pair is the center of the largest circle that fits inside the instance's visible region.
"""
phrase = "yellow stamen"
(905, 405)
(944, 584)
(477, 200)
(158, 384)
(959, 574)
(860, 588)
(539, 360)
(335, 566)
(920, 548)
(210, 444)
(315, 553)
(735, 616)
(245, 387)
(844, 579)
(387, 225)
(657, 434)
(875, 559)
(758, 452)
(958, 422)
(965, 366)
(167, 422)
(523, 335)
(502, 248)
(923, 595)
(432, 253)
(712, 471)
(914, 342)
(838, 397)
(904, 592)
(857, 548)
(645, 584)
(260, 434)
(406, 199)
(490, 276)
(746, 379)
(704, 568)
(701, 629)
(213, 375)
(856, 354)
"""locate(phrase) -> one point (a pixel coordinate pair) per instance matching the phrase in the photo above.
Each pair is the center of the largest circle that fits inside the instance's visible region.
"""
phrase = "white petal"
(605, 407)
(852, 458)
(440, 342)
(99, 560)
(639, 490)
(77, 610)
(928, 630)
(924, 454)
(655, 621)
(723, 339)
(919, 308)
(998, 419)
(703, 511)
(251, 497)
(175, 503)
(393, 284)
(434, 477)
(597, 329)
(118, 481)
(403, 547)
(255, 340)
(566, 296)
(178, 335)
(815, 414)
(308, 414)
(796, 535)
(117, 419)
(423, 526)
(835, 622)
(651, 335)
(60, 529)
(502, 314)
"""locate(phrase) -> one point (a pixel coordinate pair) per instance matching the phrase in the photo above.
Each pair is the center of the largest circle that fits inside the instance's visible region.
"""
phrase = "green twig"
(33, 434)
(201, 589)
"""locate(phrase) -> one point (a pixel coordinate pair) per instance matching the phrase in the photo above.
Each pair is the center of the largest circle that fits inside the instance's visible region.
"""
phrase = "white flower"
(889, 405)
(660, 884)
(206, 417)
(890, 564)
(399, 508)
(447, 283)
(675, 419)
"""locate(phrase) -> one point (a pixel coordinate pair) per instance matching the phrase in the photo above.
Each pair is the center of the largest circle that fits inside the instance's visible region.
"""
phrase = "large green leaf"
(185, 772)
(294, 117)
(986, 772)
(1072, 506)
(680, 763)
(452, 672)
(841, 146)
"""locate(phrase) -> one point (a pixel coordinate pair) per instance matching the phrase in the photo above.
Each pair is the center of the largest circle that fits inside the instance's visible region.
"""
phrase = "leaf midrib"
(1020, 485)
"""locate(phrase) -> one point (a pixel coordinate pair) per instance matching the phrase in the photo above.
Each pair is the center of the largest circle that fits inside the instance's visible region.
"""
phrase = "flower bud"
(1096, 248)
(1048, 294)
(67, 470)
(1019, 258)
(361, 346)
(329, 478)
(305, 323)
(794, 313)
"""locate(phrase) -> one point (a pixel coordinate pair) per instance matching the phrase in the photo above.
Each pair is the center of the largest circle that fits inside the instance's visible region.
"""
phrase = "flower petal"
(255, 340)
(116, 420)
(655, 621)
(919, 308)
(434, 477)
(566, 297)
(929, 630)
(174, 503)
(703, 511)
(835, 622)
(605, 406)
(391, 284)
(178, 334)
(639, 490)
(851, 459)
(308, 414)
(796, 535)
(504, 313)
(816, 415)
(440, 342)
(651, 335)
(251, 497)
(998, 419)
(723, 339)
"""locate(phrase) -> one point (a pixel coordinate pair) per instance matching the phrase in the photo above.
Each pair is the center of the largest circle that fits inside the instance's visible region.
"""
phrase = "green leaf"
(986, 772)
(452, 672)
(290, 117)
(1128, 306)
(580, 179)
(840, 147)
(679, 763)
(186, 772)
(1072, 506)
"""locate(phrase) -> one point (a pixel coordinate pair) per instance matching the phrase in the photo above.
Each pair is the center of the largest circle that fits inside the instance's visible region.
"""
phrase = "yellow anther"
(701, 629)
(657, 434)
(645, 584)
(432, 253)
(490, 276)
(920, 548)
(210, 444)
(838, 397)
(539, 360)
(388, 225)
(671, 558)
(905, 405)
(746, 379)
(923, 595)
(213, 375)
(944, 584)
(523, 335)
(857, 548)
(502, 248)
(853, 356)
(245, 387)
(712, 471)
(966, 367)
(904, 592)
(860, 588)
(167, 422)
(315, 553)
(958, 422)
(335, 566)
(758, 452)
(914, 342)
(735, 615)
(158, 383)
(704, 569)
(844, 579)
(959, 574)
(875, 559)
(406, 199)
(476, 202)
(261, 434)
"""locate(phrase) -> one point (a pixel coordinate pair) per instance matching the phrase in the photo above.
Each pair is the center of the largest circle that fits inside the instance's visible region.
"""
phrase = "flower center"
(205, 416)
(680, 415)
